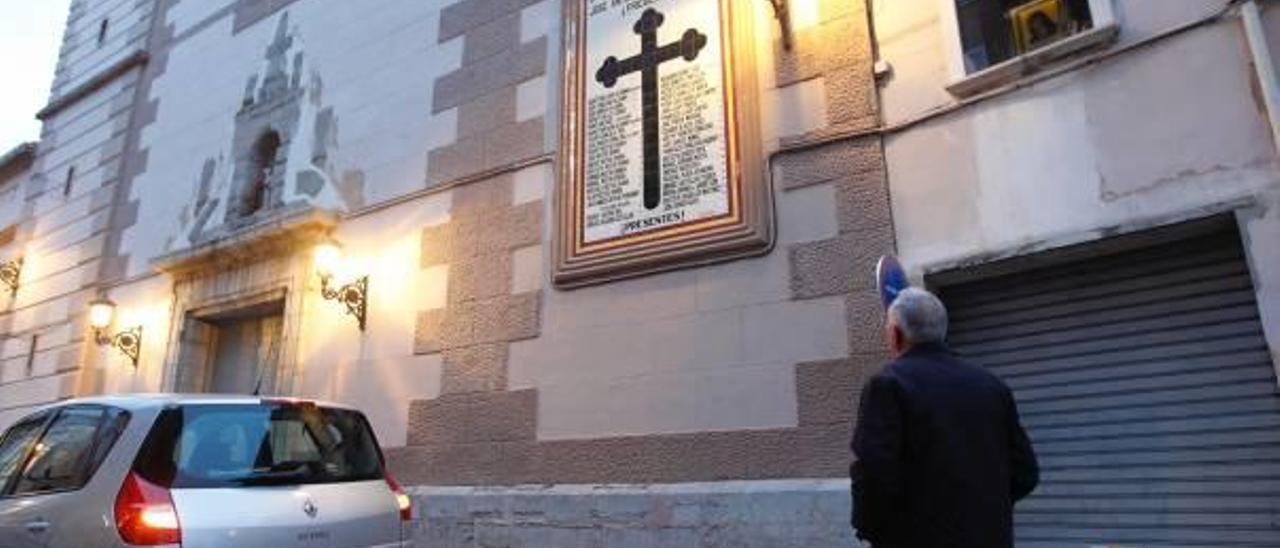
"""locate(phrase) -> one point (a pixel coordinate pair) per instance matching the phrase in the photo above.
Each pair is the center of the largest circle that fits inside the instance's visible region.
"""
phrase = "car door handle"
(37, 527)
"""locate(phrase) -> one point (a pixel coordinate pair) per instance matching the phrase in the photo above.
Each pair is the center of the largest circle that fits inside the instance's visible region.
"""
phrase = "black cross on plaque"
(646, 63)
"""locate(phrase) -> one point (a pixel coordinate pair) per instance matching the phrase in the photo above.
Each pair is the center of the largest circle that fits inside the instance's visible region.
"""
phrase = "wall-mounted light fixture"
(10, 272)
(128, 342)
(354, 295)
(782, 13)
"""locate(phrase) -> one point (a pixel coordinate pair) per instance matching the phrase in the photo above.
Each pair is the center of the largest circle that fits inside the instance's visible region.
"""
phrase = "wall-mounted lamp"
(354, 295)
(783, 15)
(128, 342)
(10, 272)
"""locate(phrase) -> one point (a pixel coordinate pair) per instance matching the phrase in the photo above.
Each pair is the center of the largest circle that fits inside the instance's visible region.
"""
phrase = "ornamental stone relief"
(282, 153)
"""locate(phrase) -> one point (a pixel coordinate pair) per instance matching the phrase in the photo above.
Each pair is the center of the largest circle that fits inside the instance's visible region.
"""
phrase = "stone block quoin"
(838, 50)
(477, 433)
(482, 315)
(484, 90)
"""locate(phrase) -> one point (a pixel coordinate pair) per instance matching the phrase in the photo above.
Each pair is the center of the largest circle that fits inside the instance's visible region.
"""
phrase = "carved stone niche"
(261, 269)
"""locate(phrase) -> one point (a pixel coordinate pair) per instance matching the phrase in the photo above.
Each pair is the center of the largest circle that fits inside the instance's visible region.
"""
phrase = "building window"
(66, 185)
(257, 195)
(994, 31)
(102, 31)
(31, 354)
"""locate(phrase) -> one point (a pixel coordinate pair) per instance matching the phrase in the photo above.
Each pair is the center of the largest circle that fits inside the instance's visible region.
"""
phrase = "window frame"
(963, 83)
(89, 469)
(104, 27)
(156, 458)
(68, 184)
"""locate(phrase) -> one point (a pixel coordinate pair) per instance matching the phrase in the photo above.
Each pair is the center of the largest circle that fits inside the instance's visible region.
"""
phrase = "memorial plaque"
(661, 164)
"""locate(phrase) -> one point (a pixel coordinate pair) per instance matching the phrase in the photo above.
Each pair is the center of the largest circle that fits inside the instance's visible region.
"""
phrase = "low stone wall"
(738, 514)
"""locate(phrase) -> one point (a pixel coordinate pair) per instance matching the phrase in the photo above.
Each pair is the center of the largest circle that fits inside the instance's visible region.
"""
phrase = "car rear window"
(210, 446)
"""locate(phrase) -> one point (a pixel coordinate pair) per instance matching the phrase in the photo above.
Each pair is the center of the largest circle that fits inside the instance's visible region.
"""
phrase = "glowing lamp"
(159, 517)
(128, 342)
(100, 313)
(327, 256)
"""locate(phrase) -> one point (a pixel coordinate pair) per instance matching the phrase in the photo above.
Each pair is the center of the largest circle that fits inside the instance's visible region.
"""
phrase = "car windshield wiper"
(281, 473)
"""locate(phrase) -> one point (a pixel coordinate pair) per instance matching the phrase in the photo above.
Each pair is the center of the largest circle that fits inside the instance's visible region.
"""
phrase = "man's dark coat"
(940, 456)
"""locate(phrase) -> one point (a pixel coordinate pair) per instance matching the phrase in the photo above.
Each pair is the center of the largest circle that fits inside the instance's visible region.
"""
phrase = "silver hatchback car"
(197, 471)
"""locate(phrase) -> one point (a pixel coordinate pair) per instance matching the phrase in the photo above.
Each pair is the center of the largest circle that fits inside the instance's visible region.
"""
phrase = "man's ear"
(893, 338)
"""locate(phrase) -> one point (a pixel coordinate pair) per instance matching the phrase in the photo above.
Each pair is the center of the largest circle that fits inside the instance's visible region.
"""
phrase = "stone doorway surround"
(265, 266)
(203, 329)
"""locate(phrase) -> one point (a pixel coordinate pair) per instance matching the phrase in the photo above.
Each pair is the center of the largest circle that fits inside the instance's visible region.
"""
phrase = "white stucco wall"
(377, 77)
(148, 304)
(1154, 135)
(712, 348)
(705, 349)
(82, 57)
(11, 203)
(377, 370)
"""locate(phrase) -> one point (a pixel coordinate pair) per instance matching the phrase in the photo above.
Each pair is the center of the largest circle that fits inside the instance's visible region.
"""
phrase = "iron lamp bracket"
(354, 295)
(10, 272)
(782, 13)
(128, 342)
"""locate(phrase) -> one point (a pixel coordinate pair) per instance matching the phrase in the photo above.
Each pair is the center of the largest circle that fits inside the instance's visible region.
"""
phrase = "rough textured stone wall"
(502, 62)
(487, 428)
(480, 432)
(482, 316)
(773, 514)
(837, 51)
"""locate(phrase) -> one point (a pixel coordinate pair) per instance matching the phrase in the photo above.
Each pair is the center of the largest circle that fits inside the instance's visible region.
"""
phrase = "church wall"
(746, 370)
(709, 405)
(147, 304)
(66, 212)
(378, 369)
(12, 199)
(82, 57)
(373, 79)
(424, 140)
(598, 343)
(15, 171)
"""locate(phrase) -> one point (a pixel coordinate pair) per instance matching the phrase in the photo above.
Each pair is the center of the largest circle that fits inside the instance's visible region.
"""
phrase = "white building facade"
(195, 153)
(1097, 203)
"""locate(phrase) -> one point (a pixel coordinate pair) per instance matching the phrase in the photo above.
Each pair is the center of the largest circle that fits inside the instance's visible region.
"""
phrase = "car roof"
(157, 400)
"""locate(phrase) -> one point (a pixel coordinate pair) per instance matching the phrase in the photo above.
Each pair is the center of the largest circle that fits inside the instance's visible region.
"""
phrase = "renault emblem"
(309, 508)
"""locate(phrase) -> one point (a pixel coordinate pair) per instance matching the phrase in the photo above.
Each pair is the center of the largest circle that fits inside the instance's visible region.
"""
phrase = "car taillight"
(403, 502)
(145, 514)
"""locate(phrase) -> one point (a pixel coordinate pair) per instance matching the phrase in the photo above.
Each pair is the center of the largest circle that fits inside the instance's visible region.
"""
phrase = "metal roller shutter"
(1145, 383)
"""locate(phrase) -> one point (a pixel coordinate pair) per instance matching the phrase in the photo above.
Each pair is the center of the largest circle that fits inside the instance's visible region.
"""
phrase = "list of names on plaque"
(609, 129)
(688, 172)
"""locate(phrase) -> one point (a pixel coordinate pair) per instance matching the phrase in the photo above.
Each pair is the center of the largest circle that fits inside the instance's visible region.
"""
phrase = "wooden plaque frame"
(747, 229)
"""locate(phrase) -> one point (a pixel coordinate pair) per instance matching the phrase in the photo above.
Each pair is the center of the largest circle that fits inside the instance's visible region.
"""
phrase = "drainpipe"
(1264, 64)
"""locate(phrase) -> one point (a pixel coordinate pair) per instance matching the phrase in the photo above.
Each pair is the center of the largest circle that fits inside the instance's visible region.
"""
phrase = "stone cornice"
(290, 231)
(135, 59)
(17, 160)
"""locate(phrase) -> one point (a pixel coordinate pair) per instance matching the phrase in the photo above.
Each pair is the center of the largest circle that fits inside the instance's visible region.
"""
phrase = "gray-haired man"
(940, 456)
